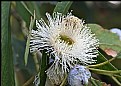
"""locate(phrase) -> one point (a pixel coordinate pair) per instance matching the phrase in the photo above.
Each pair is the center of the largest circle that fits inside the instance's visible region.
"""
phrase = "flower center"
(66, 39)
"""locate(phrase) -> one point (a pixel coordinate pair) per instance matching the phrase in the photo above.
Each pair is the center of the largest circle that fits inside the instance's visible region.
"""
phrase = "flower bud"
(78, 76)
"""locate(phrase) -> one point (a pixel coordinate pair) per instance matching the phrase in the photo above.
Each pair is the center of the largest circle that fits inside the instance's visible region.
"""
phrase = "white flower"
(67, 39)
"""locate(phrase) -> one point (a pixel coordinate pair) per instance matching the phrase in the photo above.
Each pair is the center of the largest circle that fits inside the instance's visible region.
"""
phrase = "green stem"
(36, 61)
(100, 64)
(43, 65)
(117, 76)
(108, 73)
(93, 82)
(114, 78)
(105, 72)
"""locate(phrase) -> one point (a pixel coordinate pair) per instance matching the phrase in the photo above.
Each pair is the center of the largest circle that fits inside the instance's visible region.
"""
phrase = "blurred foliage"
(106, 14)
(6, 48)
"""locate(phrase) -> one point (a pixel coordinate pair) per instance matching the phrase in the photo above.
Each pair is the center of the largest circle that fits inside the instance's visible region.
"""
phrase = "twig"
(27, 83)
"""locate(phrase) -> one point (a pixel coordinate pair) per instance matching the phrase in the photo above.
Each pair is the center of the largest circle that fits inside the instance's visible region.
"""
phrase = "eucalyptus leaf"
(24, 12)
(63, 7)
(107, 39)
(34, 6)
(7, 57)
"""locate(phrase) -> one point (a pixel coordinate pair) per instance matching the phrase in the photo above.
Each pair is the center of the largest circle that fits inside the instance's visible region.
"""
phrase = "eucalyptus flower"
(67, 39)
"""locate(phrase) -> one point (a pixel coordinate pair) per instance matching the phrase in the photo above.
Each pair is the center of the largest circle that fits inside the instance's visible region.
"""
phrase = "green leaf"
(24, 12)
(24, 5)
(63, 7)
(107, 39)
(34, 6)
(7, 58)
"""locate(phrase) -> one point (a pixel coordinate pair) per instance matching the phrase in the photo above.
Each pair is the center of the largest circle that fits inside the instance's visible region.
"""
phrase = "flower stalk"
(105, 72)
(43, 68)
(100, 64)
